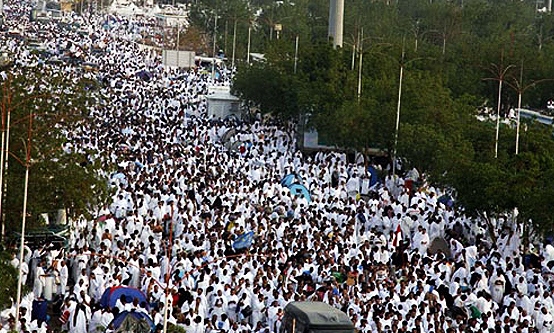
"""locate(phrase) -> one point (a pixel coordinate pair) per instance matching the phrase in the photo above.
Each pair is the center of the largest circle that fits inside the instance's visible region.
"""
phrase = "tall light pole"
(4, 186)
(519, 93)
(213, 52)
(358, 47)
(234, 43)
(500, 72)
(23, 221)
(177, 46)
(353, 63)
(498, 117)
(296, 54)
(5, 128)
(518, 86)
(360, 65)
(248, 44)
(397, 123)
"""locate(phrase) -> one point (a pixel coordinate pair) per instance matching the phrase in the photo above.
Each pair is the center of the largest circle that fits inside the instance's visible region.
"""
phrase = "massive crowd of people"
(392, 256)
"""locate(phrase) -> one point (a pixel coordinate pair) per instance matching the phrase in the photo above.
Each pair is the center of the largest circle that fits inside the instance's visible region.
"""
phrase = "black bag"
(247, 311)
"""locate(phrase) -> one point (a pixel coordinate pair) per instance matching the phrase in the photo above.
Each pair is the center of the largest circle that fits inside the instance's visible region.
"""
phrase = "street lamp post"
(498, 117)
(296, 54)
(357, 46)
(500, 72)
(397, 123)
(360, 64)
(3, 157)
(177, 46)
(23, 221)
(213, 52)
(234, 43)
(248, 44)
(518, 86)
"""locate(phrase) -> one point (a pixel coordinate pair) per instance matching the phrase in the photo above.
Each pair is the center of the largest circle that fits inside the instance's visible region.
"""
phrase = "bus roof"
(319, 315)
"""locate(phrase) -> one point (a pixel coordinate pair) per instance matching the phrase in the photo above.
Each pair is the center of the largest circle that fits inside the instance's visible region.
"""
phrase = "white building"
(222, 104)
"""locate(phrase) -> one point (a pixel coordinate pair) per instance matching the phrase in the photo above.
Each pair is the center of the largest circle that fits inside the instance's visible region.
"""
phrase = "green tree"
(271, 90)
(439, 132)
(44, 109)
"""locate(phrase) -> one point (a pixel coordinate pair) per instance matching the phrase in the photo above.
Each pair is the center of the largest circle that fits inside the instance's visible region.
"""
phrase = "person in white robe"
(421, 241)
(96, 287)
(258, 308)
(106, 317)
(40, 281)
(497, 286)
(24, 272)
(78, 320)
(272, 312)
(95, 322)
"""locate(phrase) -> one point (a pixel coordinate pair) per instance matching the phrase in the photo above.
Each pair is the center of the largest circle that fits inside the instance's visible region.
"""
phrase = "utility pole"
(234, 43)
(213, 52)
(397, 124)
(296, 55)
(248, 45)
(403, 64)
(517, 85)
(360, 64)
(3, 157)
(22, 240)
(177, 46)
(500, 72)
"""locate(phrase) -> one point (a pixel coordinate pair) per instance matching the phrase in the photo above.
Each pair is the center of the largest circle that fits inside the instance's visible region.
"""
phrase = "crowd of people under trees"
(393, 256)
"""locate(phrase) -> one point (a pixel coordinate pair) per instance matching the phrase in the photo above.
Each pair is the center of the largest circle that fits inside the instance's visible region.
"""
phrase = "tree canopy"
(453, 56)
(43, 109)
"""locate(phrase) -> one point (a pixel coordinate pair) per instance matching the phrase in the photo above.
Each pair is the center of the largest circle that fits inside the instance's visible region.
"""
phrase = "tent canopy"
(439, 244)
(228, 135)
(132, 321)
(233, 146)
(111, 295)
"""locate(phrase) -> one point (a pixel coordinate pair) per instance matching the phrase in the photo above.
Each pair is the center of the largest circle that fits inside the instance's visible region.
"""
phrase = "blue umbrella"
(299, 189)
(290, 179)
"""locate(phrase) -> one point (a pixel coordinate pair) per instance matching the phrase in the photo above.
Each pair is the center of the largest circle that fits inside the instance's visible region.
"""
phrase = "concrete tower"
(336, 21)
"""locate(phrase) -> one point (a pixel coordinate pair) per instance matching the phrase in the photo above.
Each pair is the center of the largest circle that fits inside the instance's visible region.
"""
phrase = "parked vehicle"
(315, 317)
